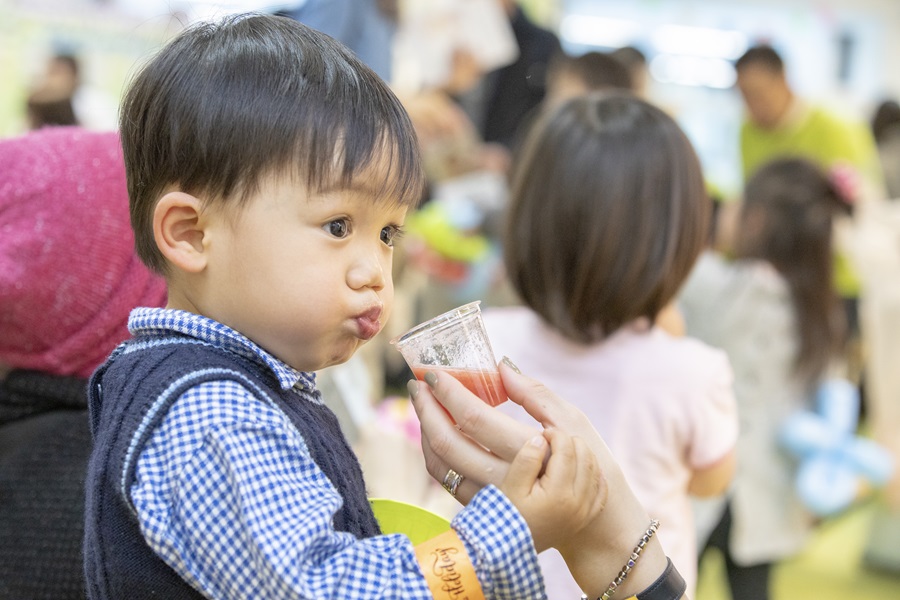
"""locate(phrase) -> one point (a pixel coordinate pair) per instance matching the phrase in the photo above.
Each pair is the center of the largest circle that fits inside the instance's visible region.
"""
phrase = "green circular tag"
(414, 522)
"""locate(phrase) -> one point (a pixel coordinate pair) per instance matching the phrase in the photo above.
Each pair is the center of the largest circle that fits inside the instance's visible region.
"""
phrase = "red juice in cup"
(457, 343)
(487, 385)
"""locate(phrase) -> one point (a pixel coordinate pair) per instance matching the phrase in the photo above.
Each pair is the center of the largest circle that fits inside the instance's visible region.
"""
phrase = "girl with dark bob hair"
(608, 214)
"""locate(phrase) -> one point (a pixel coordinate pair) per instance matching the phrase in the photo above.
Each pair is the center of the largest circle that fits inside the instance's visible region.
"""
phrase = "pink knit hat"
(68, 272)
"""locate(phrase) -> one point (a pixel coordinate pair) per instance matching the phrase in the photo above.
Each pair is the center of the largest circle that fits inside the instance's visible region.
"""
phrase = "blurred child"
(572, 76)
(269, 175)
(774, 310)
(68, 279)
(636, 62)
(607, 215)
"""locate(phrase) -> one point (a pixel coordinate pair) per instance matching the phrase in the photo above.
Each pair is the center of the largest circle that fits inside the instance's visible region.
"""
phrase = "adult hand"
(460, 431)
(480, 442)
(558, 499)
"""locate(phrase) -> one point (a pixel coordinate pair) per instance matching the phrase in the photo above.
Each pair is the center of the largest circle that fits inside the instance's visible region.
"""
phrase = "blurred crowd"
(794, 284)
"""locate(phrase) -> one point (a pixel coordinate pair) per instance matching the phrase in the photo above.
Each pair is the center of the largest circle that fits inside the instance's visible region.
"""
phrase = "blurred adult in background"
(63, 74)
(886, 129)
(513, 91)
(365, 26)
(44, 108)
(51, 99)
(68, 279)
(61, 97)
(442, 50)
(779, 123)
(92, 107)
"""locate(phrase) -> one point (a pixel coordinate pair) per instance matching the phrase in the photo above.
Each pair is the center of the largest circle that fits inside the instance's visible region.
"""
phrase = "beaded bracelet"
(632, 560)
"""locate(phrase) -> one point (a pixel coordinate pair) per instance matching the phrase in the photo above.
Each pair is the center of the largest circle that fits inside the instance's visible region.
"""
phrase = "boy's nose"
(366, 271)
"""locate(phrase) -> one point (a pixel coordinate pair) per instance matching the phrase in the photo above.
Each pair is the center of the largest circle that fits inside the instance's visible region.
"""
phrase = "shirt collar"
(162, 321)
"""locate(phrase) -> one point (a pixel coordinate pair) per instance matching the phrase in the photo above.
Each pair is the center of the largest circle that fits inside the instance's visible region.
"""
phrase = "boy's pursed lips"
(368, 322)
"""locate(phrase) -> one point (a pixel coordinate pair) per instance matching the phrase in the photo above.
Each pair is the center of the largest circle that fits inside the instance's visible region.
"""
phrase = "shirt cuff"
(500, 546)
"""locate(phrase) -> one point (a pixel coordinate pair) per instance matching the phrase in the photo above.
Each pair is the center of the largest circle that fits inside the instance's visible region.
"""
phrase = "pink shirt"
(664, 405)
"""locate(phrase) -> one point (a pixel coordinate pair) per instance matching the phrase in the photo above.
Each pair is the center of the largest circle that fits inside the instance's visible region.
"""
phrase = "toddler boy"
(269, 174)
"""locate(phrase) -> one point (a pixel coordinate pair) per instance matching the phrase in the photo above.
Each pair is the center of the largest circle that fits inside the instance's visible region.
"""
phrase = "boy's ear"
(178, 231)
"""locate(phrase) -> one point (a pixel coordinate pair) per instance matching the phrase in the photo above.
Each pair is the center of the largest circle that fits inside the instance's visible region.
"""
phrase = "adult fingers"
(501, 434)
(550, 410)
(445, 446)
(473, 473)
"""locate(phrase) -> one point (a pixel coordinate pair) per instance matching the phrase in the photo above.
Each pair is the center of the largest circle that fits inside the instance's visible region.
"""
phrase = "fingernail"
(537, 441)
(509, 363)
(431, 379)
(413, 386)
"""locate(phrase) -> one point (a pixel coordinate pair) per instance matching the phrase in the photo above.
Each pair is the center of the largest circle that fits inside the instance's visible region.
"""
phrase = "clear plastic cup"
(455, 342)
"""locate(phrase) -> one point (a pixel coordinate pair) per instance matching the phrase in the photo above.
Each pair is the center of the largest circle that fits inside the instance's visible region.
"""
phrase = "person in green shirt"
(779, 123)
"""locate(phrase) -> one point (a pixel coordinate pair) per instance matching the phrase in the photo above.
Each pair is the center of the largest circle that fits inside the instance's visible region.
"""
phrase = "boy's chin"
(339, 358)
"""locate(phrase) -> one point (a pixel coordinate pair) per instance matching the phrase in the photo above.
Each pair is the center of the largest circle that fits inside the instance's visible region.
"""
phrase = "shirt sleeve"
(715, 416)
(228, 495)
(501, 548)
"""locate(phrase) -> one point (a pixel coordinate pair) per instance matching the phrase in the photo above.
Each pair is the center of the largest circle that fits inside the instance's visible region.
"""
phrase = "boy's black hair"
(227, 103)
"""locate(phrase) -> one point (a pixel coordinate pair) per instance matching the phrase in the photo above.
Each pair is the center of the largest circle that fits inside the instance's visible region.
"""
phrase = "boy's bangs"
(381, 160)
(333, 148)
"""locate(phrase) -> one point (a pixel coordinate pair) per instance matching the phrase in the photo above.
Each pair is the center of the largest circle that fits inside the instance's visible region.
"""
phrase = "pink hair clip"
(845, 179)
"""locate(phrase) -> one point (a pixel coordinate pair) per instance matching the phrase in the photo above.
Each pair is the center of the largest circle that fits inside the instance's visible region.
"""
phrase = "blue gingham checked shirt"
(228, 495)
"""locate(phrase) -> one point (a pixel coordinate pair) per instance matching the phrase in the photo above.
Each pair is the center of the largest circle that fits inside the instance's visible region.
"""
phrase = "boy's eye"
(390, 234)
(339, 228)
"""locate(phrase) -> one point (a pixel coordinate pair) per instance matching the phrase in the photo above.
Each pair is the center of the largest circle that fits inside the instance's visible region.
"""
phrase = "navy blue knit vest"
(118, 562)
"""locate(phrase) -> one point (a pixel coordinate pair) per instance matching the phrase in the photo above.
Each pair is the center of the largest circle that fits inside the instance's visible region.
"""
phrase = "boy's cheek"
(387, 298)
